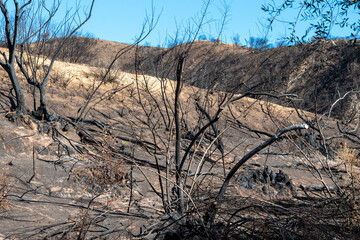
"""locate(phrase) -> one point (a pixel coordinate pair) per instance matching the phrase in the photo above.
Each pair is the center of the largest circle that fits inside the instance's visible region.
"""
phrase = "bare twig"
(33, 157)
(220, 196)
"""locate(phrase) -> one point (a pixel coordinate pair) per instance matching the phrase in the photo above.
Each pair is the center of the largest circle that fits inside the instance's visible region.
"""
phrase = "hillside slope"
(101, 177)
(317, 72)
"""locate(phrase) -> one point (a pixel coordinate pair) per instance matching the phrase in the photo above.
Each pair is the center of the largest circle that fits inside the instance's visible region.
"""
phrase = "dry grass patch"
(98, 75)
(60, 78)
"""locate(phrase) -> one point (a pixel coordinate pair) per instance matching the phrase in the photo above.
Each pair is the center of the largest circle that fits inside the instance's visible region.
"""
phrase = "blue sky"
(122, 20)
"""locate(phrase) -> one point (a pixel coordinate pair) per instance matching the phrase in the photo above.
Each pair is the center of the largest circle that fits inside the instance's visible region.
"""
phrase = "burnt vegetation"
(198, 140)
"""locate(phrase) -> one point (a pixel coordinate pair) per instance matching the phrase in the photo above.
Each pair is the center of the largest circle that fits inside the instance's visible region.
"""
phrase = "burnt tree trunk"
(179, 183)
(20, 100)
(8, 62)
(42, 112)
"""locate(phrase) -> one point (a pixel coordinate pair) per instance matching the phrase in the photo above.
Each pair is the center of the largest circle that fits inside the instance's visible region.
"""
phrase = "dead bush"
(60, 78)
(103, 172)
(98, 74)
(99, 177)
(78, 49)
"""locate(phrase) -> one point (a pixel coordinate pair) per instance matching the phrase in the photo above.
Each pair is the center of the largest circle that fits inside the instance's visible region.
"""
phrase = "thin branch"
(232, 172)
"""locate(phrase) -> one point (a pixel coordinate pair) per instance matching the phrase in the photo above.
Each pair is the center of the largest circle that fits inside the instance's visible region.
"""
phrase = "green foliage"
(236, 39)
(202, 37)
(173, 43)
(320, 17)
(258, 43)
